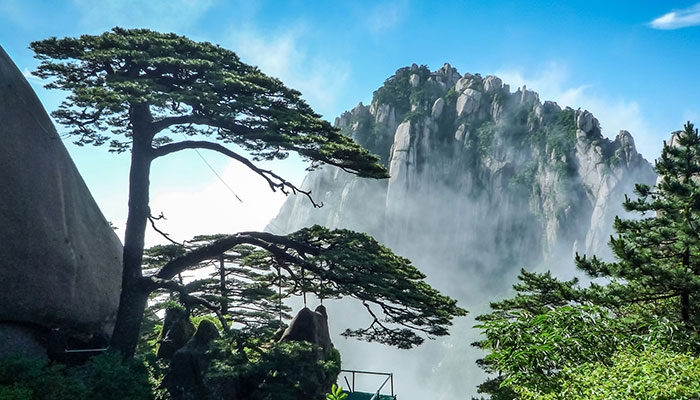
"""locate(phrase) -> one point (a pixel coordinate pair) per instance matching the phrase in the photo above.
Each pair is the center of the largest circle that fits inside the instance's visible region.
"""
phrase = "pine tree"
(658, 256)
(142, 91)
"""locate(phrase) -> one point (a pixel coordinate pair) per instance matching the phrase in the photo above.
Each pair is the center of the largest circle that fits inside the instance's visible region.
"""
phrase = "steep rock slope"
(60, 262)
(483, 180)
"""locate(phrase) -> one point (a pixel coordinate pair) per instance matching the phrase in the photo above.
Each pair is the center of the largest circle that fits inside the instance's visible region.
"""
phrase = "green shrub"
(650, 374)
(104, 377)
(398, 92)
(259, 370)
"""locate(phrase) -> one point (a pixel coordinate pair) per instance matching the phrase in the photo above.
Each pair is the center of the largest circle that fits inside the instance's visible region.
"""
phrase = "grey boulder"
(60, 261)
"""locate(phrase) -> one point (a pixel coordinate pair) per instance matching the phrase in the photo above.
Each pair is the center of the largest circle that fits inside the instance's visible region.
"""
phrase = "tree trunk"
(222, 283)
(134, 295)
(685, 295)
(685, 309)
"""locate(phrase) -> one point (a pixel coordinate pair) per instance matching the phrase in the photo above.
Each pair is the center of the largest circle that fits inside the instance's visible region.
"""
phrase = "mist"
(484, 181)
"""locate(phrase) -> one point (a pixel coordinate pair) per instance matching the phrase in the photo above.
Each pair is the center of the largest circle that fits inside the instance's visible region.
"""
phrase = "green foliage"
(556, 340)
(336, 393)
(332, 264)
(451, 98)
(558, 138)
(415, 116)
(481, 142)
(165, 84)
(648, 374)
(659, 255)
(252, 367)
(531, 349)
(357, 266)
(485, 136)
(105, 376)
(495, 389)
(141, 90)
(398, 91)
(525, 178)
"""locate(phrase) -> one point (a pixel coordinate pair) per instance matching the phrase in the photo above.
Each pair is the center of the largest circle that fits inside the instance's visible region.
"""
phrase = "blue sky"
(633, 64)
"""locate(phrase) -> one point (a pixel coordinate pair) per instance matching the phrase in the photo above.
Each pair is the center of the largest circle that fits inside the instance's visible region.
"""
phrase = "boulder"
(492, 84)
(437, 107)
(60, 261)
(185, 377)
(177, 330)
(468, 102)
(311, 326)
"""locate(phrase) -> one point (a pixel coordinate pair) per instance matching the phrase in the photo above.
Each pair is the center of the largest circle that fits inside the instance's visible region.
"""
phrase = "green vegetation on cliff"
(556, 339)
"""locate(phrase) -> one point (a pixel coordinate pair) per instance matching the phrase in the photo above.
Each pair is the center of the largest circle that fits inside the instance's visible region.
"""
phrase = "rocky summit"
(484, 180)
(60, 262)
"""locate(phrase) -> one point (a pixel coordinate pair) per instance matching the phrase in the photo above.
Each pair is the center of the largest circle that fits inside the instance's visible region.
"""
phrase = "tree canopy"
(329, 263)
(122, 77)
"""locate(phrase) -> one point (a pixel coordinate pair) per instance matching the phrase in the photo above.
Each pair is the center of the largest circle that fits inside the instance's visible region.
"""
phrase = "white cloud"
(386, 15)
(162, 15)
(282, 54)
(678, 18)
(614, 114)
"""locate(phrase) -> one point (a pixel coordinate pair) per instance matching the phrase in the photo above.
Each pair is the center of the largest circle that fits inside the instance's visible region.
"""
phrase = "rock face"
(60, 262)
(483, 181)
(185, 377)
(177, 330)
(311, 326)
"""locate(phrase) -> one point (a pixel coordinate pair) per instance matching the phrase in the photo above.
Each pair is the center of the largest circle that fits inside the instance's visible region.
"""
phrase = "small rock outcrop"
(310, 326)
(185, 377)
(60, 261)
(177, 331)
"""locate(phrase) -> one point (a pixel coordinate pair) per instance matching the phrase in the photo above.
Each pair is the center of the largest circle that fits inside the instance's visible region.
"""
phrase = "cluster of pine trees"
(633, 332)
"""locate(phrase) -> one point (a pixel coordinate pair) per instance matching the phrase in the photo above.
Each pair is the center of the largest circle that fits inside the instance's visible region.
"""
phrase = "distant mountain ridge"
(484, 182)
(482, 179)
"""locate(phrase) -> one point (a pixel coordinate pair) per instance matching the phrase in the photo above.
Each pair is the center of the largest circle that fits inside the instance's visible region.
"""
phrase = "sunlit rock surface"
(60, 262)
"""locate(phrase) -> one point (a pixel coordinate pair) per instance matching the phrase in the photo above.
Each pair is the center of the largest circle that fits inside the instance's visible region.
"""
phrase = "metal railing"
(353, 372)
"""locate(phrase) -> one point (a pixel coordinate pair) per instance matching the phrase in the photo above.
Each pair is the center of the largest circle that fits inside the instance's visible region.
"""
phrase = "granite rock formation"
(185, 378)
(310, 326)
(60, 261)
(483, 180)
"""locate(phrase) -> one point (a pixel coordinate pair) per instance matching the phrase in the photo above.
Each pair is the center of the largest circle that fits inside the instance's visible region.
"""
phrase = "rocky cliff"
(484, 180)
(60, 262)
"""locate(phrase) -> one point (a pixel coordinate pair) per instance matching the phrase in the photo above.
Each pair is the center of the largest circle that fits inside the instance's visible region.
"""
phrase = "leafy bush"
(104, 377)
(257, 369)
(398, 92)
(650, 374)
(532, 349)
(415, 116)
